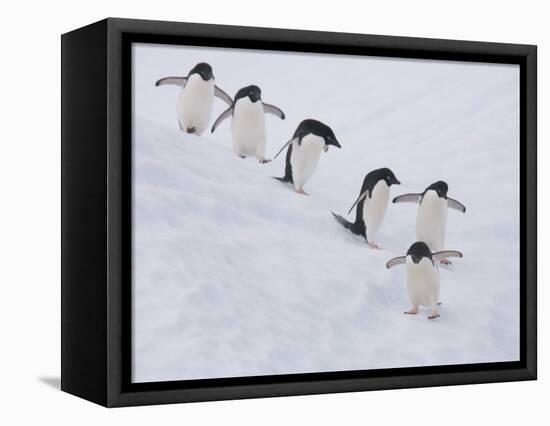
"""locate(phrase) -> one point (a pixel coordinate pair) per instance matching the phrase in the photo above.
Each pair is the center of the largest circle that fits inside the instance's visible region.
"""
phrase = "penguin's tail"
(283, 179)
(347, 224)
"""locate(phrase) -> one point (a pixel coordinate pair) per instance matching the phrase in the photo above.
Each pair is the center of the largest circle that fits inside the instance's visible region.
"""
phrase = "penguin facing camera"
(247, 114)
(304, 150)
(371, 203)
(422, 276)
(196, 97)
(431, 217)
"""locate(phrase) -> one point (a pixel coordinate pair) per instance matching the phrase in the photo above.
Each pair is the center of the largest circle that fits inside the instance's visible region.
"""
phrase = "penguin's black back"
(368, 184)
(288, 167)
(306, 127)
(311, 126)
(359, 221)
(358, 227)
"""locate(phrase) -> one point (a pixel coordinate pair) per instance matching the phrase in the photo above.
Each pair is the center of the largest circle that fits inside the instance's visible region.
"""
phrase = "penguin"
(247, 113)
(371, 204)
(431, 218)
(422, 276)
(304, 149)
(194, 104)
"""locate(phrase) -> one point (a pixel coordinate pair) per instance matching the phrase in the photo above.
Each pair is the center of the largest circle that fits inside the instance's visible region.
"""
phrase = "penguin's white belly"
(422, 282)
(248, 128)
(194, 106)
(304, 158)
(375, 208)
(431, 221)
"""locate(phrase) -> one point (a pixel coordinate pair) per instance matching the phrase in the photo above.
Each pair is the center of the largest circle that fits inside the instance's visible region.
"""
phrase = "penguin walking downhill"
(304, 150)
(431, 217)
(248, 122)
(371, 204)
(422, 276)
(196, 97)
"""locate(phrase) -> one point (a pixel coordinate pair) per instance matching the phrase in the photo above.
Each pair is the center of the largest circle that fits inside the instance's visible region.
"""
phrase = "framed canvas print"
(253, 212)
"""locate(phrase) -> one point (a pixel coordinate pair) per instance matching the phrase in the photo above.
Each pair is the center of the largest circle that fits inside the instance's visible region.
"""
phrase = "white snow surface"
(234, 274)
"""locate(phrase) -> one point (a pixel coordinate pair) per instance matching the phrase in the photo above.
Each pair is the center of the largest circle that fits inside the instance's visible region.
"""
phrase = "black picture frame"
(96, 211)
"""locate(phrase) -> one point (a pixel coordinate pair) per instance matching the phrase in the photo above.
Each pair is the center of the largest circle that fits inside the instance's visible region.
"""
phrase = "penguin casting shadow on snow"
(371, 205)
(422, 276)
(247, 114)
(196, 97)
(431, 217)
(304, 150)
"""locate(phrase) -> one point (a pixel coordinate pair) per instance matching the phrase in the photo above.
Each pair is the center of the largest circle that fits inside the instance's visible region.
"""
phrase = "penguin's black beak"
(206, 75)
(335, 143)
(396, 181)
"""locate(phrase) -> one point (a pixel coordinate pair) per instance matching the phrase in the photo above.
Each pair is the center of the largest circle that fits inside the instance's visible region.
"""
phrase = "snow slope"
(236, 275)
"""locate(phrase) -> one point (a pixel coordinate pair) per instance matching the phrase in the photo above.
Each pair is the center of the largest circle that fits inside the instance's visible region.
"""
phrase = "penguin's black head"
(383, 174)
(204, 70)
(252, 92)
(440, 187)
(388, 176)
(419, 251)
(311, 126)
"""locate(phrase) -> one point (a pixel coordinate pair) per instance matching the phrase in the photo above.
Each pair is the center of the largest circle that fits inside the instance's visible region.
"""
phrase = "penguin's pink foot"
(301, 191)
(446, 262)
(412, 311)
(191, 129)
(434, 316)
(263, 161)
(374, 246)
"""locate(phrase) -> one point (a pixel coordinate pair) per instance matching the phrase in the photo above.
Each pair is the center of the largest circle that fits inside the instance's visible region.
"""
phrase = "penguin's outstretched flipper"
(457, 205)
(219, 93)
(227, 113)
(272, 109)
(441, 255)
(408, 198)
(399, 260)
(361, 197)
(284, 146)
(176, 81)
